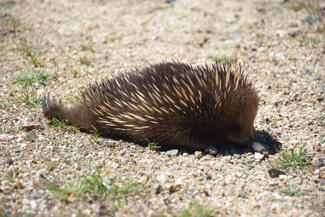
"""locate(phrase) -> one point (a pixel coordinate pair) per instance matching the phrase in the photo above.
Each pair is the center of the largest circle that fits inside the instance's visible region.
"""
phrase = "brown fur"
(173, 104)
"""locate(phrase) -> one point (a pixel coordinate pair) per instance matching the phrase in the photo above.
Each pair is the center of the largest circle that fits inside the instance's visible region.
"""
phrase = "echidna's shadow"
(272, 145)
(264, 138)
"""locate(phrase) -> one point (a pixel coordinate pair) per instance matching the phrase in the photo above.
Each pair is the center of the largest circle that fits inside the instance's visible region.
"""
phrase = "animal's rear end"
(78, 115)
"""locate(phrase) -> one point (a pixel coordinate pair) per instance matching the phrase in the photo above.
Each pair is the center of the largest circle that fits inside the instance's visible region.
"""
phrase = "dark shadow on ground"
(271, 144)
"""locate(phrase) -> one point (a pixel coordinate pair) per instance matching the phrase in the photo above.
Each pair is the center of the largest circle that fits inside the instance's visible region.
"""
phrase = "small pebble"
(211, 150)
(157, 188)
(235, 34)
(37, 196)
(322, 181)
(248, 167)
(8, 161)
(17, 185)
(273, 172)
(198, 154)
(259, 156)
(17, 150)
(162, 178)
(172, 153)
(174, 188)
(170, 1)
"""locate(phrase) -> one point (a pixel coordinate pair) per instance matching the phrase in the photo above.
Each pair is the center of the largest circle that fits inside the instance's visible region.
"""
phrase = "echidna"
(171, 103)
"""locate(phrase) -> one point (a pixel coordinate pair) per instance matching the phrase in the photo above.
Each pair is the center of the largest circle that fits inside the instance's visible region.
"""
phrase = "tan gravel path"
(78, 42)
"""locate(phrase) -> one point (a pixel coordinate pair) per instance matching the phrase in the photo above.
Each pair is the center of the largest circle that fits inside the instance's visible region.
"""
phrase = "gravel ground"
(72, 43)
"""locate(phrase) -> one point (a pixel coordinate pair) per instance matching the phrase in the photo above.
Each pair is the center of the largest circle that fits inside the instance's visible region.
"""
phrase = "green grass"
(15, 24)
(294, 159)
(94, 136)
(4, 105)
(30, 98)
(314, 9)
(9, 129)
(224, 58)
(291, 190)
(28, 94)
(85, 61)
(74, 72)
(69, 189)
(28, 139)
(309, 41)
(61, 142)
(194, 210)
(199, 211)
(297, 6)
(64, 126)
(94, 185)
(258, 35)
(3, 130)
(12, 175)
(151, 144)
(29, 78)
(87, 48)
(4, 213)
(31, 52)
(50, 165)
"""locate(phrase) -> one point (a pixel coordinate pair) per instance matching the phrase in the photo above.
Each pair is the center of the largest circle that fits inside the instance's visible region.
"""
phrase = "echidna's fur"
(173, 104)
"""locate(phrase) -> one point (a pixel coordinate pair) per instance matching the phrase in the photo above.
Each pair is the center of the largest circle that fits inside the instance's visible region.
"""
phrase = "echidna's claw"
(48, 99)
(44, 104)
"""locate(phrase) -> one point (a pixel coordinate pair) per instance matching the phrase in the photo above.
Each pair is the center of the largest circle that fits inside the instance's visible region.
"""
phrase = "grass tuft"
(50, 165)
(315, 11)
(41, 77)
(30, 51)
(64, 126)
(94, 185)
(60, 142)
(12, 175)
(4, 213)
(9, 129)
(85, 61)
(309, 41)
(28, 139)
(94, 136)
(297, 6)
(224, 58)
(291, 190)
(4, 105)
(87, 48)
(194, 210)
(294, 159)
(30, 98)
(151, 144)
(15, 22)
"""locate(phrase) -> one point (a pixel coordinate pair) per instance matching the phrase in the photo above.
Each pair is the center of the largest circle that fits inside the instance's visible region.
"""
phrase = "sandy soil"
(74, 42)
